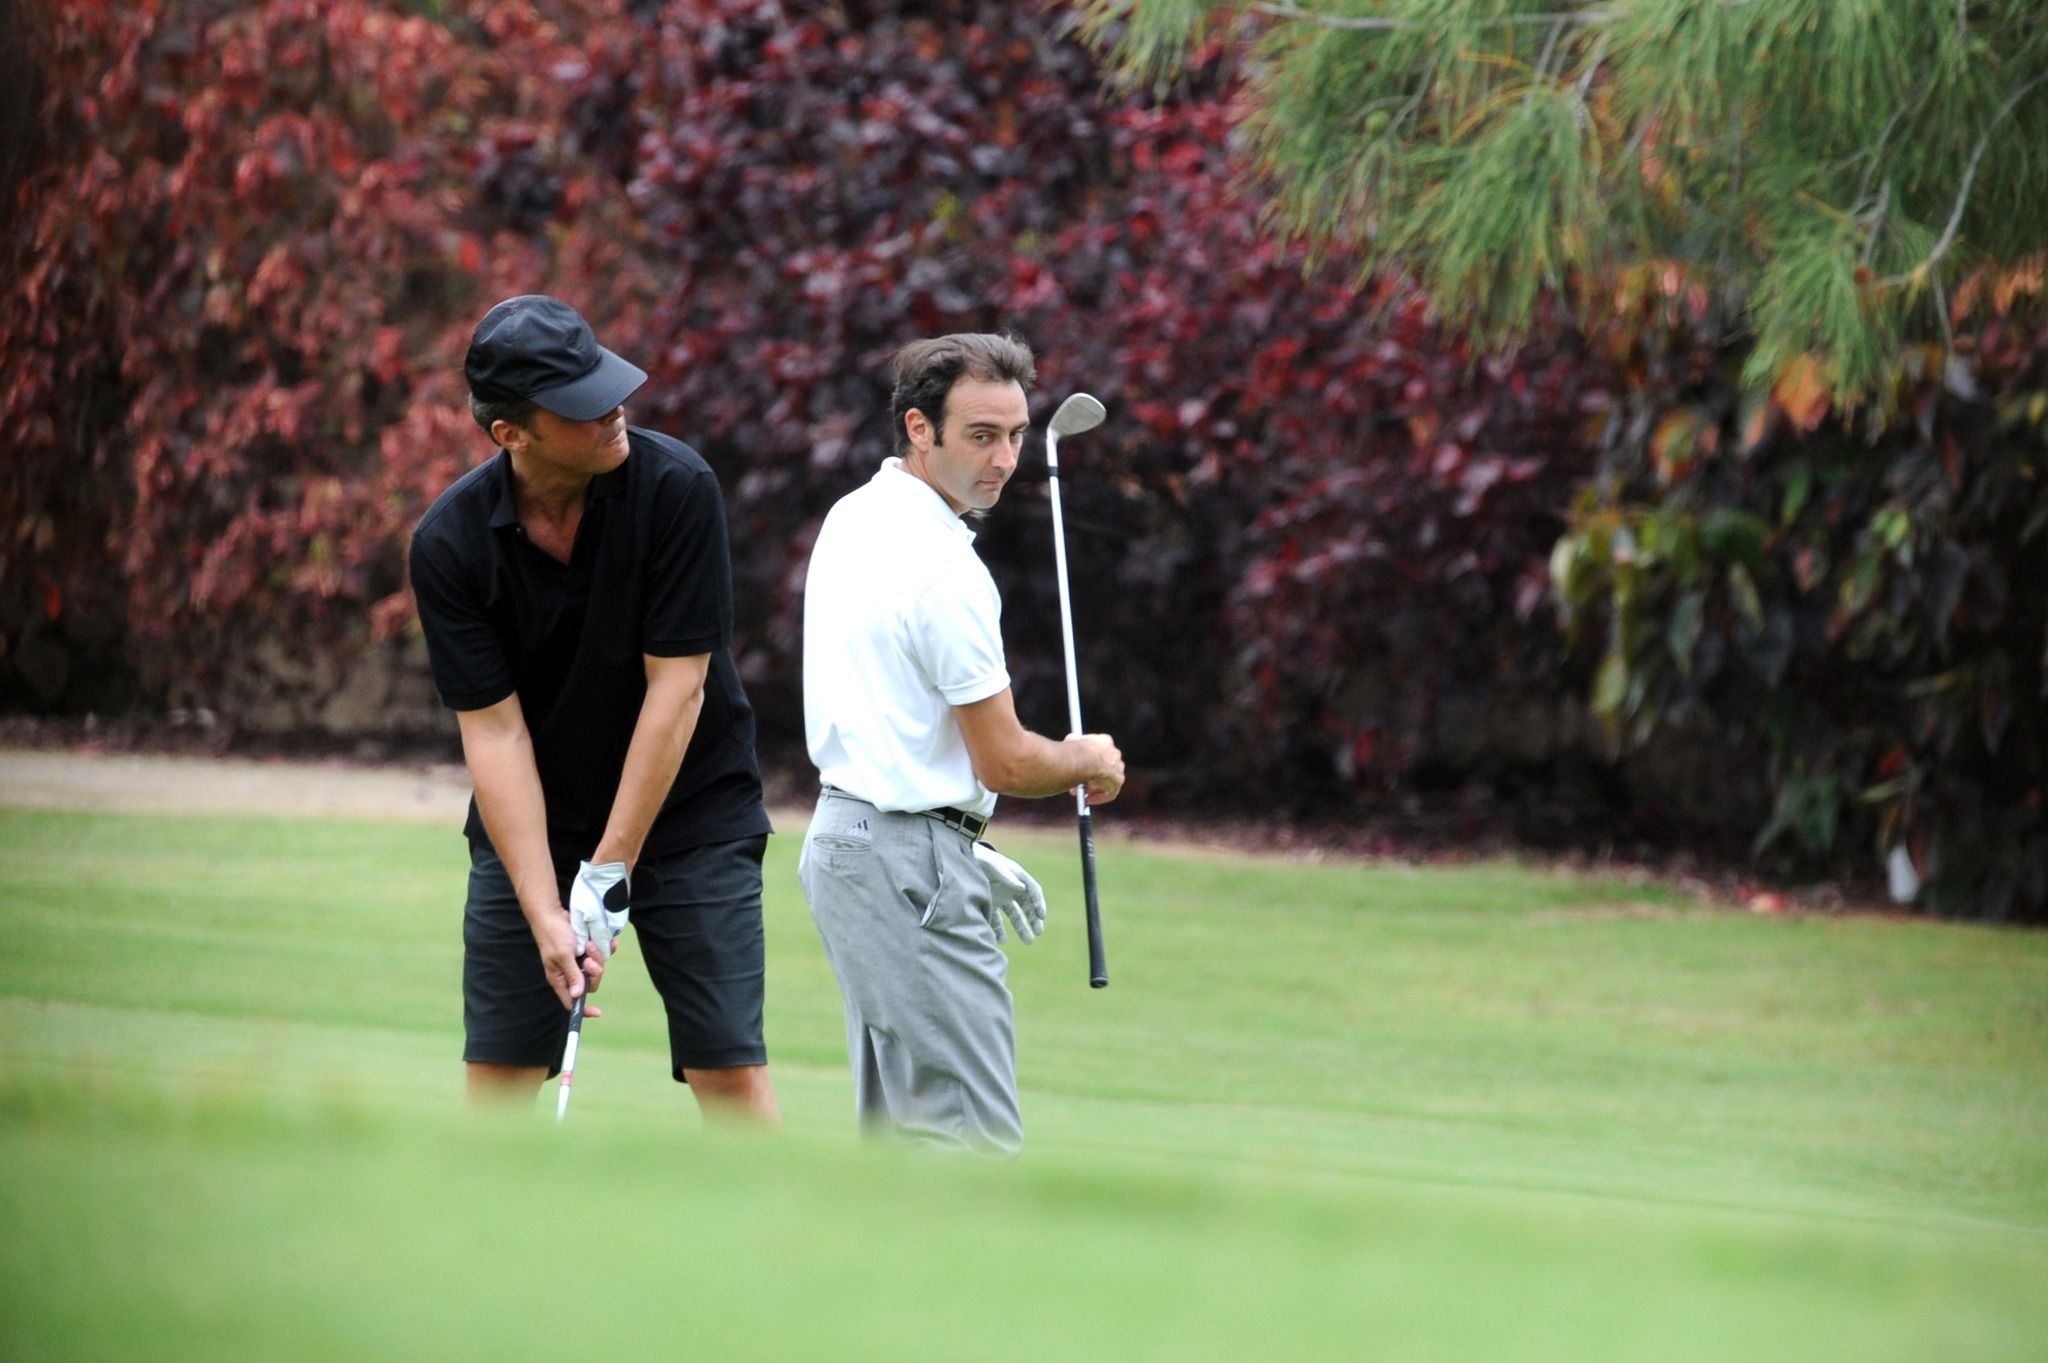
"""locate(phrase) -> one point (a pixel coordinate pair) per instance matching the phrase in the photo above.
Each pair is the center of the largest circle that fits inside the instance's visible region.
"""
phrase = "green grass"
(1322, 1112)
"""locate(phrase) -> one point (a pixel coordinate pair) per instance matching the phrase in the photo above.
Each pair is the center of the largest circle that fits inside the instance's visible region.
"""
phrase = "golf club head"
(1078, 413)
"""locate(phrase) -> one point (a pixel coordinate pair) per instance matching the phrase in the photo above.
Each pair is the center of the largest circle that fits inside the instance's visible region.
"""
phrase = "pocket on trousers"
(835, 842)
(929, 892)
(841, 851)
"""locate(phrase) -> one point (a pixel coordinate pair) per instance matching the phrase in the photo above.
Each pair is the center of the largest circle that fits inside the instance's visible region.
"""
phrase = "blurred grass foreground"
(1322, 1112)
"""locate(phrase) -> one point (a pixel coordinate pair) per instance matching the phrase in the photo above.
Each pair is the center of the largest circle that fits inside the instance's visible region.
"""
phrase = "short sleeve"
(689, 570)
(469, 662)
(956, 636)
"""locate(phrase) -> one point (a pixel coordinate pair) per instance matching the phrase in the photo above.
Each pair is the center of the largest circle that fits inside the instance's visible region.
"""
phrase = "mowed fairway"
(1324, 1112)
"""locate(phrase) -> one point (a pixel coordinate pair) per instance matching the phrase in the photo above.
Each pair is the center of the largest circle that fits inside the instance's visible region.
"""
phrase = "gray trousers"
(902, 906)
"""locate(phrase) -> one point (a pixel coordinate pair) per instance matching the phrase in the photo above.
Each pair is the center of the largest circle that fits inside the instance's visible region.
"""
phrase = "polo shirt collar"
(505, 506)
(914, 493)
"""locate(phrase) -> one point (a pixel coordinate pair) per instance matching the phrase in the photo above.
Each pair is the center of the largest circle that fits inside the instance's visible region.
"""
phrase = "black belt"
(959, 820)
(973, 825)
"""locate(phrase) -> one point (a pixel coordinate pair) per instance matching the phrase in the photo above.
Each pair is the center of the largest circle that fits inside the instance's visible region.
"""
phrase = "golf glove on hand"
(1012, 894)
(598, 905)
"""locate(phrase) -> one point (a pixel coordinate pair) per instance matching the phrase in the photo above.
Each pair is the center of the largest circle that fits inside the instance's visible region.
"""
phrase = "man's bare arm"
(668, 719)
(499, 751)
(1011, 760)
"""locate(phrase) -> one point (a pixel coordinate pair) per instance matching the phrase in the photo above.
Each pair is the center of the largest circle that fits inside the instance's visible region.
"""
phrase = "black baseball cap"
(534, 348)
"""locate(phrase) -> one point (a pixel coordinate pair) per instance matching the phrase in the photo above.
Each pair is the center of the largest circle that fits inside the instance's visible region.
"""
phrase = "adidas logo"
(860, 827)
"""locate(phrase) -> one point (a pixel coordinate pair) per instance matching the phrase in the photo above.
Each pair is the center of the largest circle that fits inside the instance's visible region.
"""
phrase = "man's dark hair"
(927, 370)
(488, 414)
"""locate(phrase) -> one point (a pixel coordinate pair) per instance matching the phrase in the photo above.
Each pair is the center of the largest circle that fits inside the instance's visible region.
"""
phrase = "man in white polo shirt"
(909, 717)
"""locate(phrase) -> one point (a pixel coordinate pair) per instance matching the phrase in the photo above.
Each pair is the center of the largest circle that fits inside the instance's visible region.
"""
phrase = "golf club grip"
(569, 1045)
(576, 1006)
(1098, 973)
(569, 1058)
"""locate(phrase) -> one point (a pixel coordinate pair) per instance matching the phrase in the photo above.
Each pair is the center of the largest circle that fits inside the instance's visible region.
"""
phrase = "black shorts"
(697, 918)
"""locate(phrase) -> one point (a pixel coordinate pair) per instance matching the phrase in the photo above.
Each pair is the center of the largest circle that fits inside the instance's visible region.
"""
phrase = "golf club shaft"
(569, 1058)
(1098, 972)
(1059, 558)
(569, 1046)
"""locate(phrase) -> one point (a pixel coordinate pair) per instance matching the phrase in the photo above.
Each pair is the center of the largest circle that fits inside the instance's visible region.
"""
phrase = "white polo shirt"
(901, 623)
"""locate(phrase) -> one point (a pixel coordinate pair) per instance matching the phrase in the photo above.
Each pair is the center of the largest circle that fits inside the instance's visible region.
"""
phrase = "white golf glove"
(598, 906)
(1012, 894)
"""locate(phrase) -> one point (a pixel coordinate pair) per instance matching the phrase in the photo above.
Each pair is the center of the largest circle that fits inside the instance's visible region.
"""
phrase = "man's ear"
(508, 435)
(918, 427)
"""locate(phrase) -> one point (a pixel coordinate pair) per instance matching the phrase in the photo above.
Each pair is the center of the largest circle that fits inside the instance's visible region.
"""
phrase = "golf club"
(1078, 413)
(569, 1050)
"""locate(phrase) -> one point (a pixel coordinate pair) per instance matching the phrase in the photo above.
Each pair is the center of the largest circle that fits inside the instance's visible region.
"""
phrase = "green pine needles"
(1821, 174)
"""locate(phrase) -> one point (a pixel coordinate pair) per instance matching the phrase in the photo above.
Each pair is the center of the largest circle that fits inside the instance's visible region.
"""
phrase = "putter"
(614, 899)
(1078, 413)
(569, 1050)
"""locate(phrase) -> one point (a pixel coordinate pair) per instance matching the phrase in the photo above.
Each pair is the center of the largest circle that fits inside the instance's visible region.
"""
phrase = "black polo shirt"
(649, 574)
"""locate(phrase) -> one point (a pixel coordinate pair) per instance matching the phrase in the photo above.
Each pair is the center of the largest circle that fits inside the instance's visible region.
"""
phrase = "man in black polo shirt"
(576, 595)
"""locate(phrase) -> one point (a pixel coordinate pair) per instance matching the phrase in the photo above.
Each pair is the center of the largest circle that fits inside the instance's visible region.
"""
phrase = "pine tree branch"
(1955, 218)
(1593, 62)
(1542, 73)
(1884, 137)
(1877, 215)
(1422, 88)
(1287, 9)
